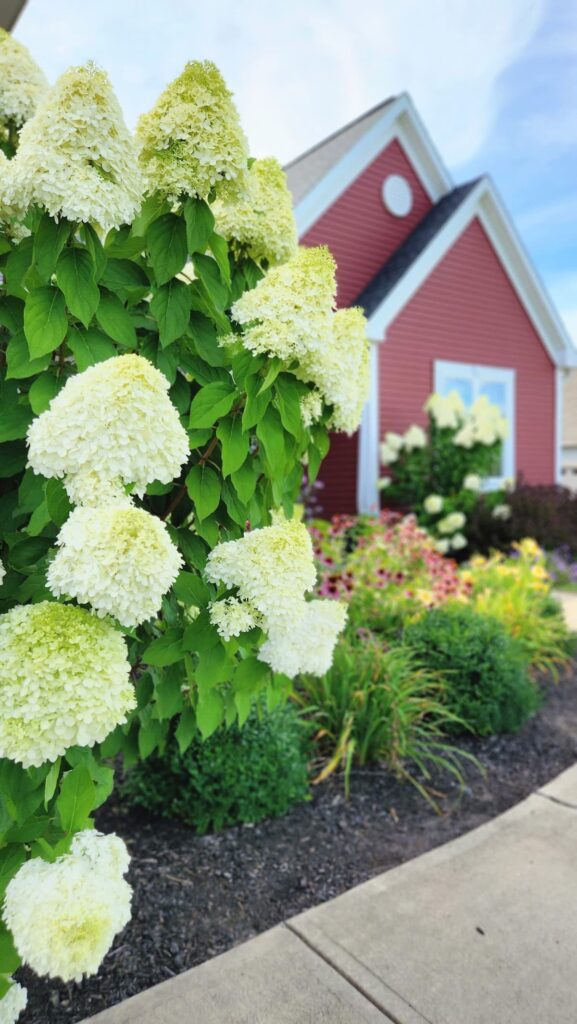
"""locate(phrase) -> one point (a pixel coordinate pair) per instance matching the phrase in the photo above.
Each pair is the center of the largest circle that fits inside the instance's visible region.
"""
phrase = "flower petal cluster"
(311, 406)
(433, 504)
(454, 521)
(388, 454)
(307, 645)
(191, 141)
(113, 424)
(76, 158)
(121, 561)
(472, 482)
(485, 424)
(394, 441)
(13, 1002)
(233, 617)
(501, 512)
(64, 915)
(414, 437)
(458, 542)
(22, 82)
(261, 223)
(447, 411)
(290, 314)
(64, 681)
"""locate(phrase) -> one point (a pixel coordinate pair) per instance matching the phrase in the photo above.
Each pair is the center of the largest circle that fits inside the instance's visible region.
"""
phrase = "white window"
(498, 385)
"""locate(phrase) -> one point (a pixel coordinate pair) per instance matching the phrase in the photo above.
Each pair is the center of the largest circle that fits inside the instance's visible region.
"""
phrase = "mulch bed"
(197, 896)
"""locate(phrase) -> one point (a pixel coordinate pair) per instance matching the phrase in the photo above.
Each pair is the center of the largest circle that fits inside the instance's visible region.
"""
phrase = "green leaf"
(251, 674)
(244, 480)
(288, 403)
(76, 798)
(191, 590)
(236, 509)
(274, 367)
(234, 444)
(211, 402)
(198, 438)
(14, 416)
(126, 276)
(165, 650)
(52, 781)
(150, 734)
(13, 457)
(219, 249)
(203, 486)
(42, 391)
(199, 224)
(95, 249)
(192, 547)
(271, 435)
(75, 273)
(255, 407)
(122, 244)
(214, 666)
(19, 363)
(201, 635)
(50, 238)
(9, 958)
(45, 322)
(209, 713)
(11, 313)
(208, 273)
(89, 347)
(185, 730)
(166, 241)
(115, 320)
(171, 308)
(204, 335)
(17, 266)
(57, 501)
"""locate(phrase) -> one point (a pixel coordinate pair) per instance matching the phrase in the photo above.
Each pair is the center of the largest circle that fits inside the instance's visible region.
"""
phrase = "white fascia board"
(484, 204)
(399, 121)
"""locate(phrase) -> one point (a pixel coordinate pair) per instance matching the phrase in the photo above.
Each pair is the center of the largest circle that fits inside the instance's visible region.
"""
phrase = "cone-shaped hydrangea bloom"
(446, 410)
(311, 406)
(22, 83)
(10, 213)
(454, 521)
(261, 224)
(472, 482)
(192, 141)
(64, 916)
(341, 369)
(233, 617)
(414, 437)
(272, 568)
(13, 1003)
(307, 644)
(121, 561)
(64, 681)
(433, 504)
(114, 420)
(289, 313)
(76, 158)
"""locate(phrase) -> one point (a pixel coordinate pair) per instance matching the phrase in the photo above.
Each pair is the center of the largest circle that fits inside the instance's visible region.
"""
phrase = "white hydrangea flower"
(103, 852)
(472, 482)
(414, 437)
(341, 371)
(388, 454)
(311, 406)
(64, 916)
(465, 437)
(233, 617)
(261, 223)
(10, 213)
(76, 158)
(192, 141)
(22, 82)
(394, 441)
(306, 645)
(384, 482)
(501, 512)
(120, 561)
(447, 410)
(442, 546)
(454, 521)
(64, 681)
(272, 568)
(13, 1003)
(433, 504)
(114, 422)
(458, 542)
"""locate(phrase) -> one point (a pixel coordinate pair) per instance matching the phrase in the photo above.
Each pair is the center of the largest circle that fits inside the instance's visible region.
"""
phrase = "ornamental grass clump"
(439, 472)
(150, 589)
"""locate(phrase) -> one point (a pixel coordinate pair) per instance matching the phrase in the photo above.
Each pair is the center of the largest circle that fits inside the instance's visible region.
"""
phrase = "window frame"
(477, 373)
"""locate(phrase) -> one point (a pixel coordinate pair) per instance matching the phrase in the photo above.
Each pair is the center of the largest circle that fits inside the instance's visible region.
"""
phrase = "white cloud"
(301, 70)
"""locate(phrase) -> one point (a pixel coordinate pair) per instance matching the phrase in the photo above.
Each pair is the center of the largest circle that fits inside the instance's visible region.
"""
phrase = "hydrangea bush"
(170, 360)
(438, 473)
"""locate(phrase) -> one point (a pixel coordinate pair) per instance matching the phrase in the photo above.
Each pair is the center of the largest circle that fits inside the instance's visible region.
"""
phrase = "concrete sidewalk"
(482, 930)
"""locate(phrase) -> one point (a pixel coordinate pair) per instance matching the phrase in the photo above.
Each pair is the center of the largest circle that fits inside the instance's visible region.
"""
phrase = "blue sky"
(494, 80)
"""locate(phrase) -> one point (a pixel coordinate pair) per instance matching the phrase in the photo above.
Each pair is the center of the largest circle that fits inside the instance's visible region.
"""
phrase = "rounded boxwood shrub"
(237, 775)
(485, 673)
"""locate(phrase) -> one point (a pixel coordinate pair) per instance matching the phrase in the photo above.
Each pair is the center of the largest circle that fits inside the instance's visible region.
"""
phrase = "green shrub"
(486, 678)
(238, 775)
(378, 704)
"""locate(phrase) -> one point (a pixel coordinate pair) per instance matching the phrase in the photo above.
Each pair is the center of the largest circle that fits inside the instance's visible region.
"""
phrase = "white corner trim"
(560, 375)
(484, 204)
(399, 120)
(368, 444)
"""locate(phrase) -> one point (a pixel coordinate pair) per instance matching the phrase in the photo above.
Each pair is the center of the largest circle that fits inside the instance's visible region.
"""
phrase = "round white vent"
(397, 195)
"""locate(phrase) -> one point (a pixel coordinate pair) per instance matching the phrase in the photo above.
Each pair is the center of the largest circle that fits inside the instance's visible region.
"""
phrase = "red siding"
(357, 228)
(468, 311)
(361, 235)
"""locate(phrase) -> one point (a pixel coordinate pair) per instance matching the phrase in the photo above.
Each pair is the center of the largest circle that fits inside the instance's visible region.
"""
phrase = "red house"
(451, 296)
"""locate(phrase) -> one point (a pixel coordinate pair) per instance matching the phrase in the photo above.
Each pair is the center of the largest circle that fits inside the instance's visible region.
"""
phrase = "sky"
(495, 81)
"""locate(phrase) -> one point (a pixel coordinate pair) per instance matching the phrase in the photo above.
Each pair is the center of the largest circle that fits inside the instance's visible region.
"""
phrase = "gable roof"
(323, 173)
(398, 280)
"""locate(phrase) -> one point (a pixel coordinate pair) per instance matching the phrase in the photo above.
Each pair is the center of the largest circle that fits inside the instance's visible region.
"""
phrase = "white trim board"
(399, 121)
(484, 204)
